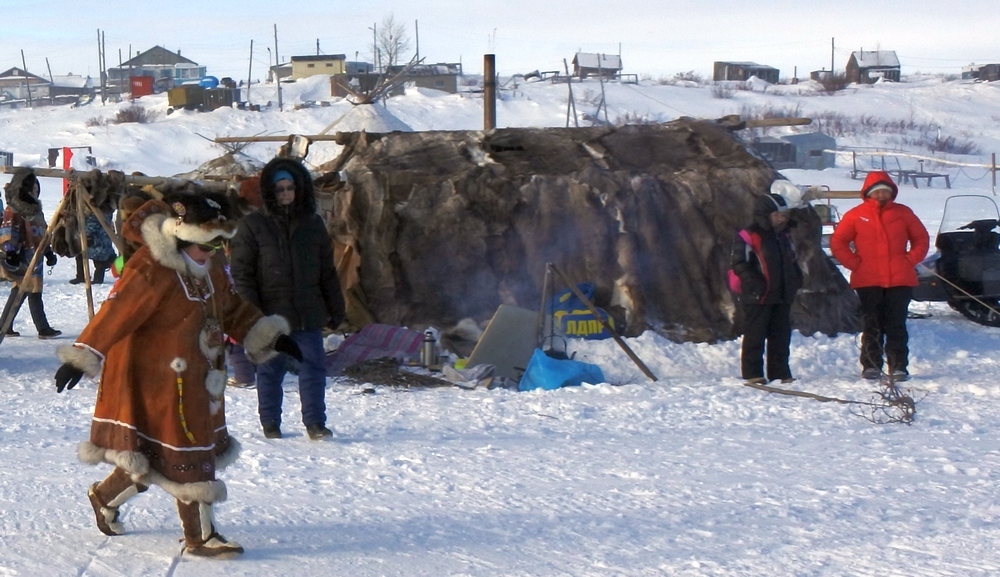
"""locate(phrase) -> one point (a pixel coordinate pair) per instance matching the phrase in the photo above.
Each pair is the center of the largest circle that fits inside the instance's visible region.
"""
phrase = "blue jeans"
(243, 370)
(312, 382)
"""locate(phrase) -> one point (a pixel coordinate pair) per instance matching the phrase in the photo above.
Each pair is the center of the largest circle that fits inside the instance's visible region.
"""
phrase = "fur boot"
(108, 495)
(200, 537)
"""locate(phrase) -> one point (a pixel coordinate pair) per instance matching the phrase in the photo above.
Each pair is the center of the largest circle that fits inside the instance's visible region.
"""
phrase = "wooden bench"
(912, 176)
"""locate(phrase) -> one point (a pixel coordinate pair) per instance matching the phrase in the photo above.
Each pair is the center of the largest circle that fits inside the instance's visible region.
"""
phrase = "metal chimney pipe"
(489, 92)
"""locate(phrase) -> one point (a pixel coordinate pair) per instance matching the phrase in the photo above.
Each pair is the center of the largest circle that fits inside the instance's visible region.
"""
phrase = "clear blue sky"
(656, 37)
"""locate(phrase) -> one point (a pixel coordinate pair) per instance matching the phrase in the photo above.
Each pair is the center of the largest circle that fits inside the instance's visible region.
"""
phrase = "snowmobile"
(965, 270)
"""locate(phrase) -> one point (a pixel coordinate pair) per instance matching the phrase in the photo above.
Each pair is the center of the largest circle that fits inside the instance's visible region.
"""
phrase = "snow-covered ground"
(692, 475)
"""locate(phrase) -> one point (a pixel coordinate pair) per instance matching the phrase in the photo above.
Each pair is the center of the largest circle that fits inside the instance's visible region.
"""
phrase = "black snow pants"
(883, 326)
(769, 324)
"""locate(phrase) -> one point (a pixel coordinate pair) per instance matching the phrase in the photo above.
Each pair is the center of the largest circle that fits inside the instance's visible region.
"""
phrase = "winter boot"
(108, 495)
(200, 537)
(37, 308)
(100, 266)
(79, 271)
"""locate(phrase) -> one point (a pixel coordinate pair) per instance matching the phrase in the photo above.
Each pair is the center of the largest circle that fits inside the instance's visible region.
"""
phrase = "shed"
(867, 66)
(306, 66)
(442, 76)
(71, 86)
(590, 64)
(810, 151)
(742, 71)
(813, 150)
(989, 72)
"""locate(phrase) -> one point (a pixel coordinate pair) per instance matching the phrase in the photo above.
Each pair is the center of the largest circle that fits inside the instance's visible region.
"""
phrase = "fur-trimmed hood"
(159, 233)
(22, 198)
(305, 196)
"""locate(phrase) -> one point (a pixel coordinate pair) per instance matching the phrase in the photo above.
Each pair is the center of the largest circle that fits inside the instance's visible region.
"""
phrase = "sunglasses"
(210, 246)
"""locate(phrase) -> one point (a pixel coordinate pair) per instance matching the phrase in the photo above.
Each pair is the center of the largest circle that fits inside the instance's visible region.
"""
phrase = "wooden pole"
(117, 240)
(277, 75)
(218, 186)
(546, 284)
(52, 81)
(572, 101)
(18, 294)
(249, 73)
(604, 102)
(593, 310)
(27, 83)
(81, 221)
(489, 92)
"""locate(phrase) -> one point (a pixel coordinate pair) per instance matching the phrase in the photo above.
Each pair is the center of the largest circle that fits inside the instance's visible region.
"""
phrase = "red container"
(141, 85)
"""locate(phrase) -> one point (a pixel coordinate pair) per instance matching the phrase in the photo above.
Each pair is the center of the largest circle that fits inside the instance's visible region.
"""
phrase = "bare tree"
(393, 40)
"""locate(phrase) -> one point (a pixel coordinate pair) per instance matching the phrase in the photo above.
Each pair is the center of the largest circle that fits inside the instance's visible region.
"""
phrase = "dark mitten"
(67, 377)
(50, 258)
(13, 259)
(285, 344)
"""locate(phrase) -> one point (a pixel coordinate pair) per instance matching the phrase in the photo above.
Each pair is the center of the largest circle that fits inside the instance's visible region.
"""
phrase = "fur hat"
(22, 192)
(199, 217)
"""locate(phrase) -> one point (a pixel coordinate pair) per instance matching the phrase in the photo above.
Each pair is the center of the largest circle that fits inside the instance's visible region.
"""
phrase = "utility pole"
(102, 66)
(374, 43)
(416, 33)
(27, 83)
(317, 47)
(52, 81)
(831, 55)
(277, 75)
(250, 73)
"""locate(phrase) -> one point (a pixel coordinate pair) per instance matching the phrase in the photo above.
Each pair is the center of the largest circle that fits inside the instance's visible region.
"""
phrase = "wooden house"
(16, 82)
(306, 66)
(742, 71)
(868, 66)
(589, 64)
(158, 62)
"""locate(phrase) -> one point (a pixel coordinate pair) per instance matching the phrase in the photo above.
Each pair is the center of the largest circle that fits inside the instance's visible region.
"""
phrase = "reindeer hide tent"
(450, 225)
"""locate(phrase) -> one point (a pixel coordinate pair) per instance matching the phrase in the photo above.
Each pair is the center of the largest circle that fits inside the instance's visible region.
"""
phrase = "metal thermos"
(428, 350)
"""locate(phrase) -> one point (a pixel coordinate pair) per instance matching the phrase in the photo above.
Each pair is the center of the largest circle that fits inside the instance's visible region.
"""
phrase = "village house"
(15, 84)
(868, 66)
(589, 64)
(306, 66)
(441, 76)
(164, 66)
(18, 87)
(742, 71)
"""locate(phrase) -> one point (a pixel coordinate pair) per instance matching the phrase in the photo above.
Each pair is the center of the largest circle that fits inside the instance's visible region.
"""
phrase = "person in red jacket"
(888, 243)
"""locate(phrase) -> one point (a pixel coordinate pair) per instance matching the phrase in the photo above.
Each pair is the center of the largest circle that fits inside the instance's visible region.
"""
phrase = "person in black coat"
(763, 258)
(282, 262)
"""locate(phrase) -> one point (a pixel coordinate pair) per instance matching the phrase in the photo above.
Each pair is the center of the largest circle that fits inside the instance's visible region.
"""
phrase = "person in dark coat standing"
(282, 262)
(763, 258)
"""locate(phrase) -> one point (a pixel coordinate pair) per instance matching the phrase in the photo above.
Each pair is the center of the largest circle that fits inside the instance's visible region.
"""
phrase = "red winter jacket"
(880, 235)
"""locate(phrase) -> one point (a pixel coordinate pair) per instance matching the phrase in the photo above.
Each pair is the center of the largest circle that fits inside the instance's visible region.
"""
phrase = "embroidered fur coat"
(160, 411)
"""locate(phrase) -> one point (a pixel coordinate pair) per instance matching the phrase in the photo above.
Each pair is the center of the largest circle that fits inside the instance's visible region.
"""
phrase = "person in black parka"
(763, 258)
(282, 262)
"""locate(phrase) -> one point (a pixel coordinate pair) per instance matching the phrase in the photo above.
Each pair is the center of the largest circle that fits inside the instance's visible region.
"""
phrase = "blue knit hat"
(282, 175)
